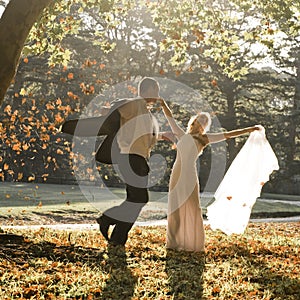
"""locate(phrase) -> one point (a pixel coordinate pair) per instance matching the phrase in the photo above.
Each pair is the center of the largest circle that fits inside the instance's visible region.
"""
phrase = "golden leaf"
(31, 178)
(25, 146)
(58, 101)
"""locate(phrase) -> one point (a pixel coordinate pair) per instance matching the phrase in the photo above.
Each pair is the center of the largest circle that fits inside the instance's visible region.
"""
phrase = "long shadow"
(17, 249)
(185, 274)
(279, 286)
(120, 284)
(67, 215)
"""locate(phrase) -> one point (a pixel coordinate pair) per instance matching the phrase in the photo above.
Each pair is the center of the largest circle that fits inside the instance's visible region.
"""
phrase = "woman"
(185, 230)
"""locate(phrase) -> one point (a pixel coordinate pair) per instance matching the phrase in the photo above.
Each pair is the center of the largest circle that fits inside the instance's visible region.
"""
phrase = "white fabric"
(242, 184)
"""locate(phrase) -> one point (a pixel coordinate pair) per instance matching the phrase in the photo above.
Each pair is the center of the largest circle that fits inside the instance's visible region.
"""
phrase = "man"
(135, 138)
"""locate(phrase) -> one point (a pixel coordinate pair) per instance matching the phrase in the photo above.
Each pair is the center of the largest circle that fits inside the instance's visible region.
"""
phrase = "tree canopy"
(242, 57)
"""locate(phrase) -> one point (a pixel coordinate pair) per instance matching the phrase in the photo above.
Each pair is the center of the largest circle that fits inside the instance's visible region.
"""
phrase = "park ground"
(54, 258)
(45, 204)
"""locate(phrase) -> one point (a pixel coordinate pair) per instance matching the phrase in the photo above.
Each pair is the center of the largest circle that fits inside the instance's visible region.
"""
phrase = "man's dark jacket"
(103, 125)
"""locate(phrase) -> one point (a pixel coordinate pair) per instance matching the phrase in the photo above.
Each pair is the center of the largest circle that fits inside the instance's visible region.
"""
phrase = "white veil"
(242, 184)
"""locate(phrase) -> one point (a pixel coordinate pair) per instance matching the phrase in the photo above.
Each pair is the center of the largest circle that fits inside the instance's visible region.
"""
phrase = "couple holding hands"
(136, 134)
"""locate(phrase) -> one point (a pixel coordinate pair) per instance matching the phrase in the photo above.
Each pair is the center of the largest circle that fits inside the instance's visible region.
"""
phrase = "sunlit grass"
(263, 263)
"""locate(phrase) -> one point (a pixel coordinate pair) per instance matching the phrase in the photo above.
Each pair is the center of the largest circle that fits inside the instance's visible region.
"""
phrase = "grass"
(25, 204)
(263, 263)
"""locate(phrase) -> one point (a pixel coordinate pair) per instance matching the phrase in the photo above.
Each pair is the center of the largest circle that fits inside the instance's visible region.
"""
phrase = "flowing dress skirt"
(185, 230)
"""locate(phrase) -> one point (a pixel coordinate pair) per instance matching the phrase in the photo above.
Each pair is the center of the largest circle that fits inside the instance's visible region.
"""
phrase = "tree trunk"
(295, 117)
(229, 90)
(15, 25)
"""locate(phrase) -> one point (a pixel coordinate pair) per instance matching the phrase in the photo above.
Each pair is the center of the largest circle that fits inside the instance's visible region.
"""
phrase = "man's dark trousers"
(134, 170)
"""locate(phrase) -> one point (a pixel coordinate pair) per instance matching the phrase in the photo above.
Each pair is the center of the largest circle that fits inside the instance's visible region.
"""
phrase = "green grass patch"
(30, 204)
(263, 263)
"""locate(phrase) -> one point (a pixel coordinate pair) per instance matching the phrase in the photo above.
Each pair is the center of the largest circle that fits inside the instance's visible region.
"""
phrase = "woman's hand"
(256, 127)
(161, 101)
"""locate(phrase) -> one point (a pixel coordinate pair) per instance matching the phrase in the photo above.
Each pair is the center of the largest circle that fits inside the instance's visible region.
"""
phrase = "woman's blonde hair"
(199, 118)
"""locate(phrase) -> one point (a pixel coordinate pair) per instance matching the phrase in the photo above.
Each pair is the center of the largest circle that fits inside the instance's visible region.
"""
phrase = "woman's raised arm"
(219, 137)
(176, 129)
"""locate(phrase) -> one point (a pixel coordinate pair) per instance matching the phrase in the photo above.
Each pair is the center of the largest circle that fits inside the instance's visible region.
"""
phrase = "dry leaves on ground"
(263, 263)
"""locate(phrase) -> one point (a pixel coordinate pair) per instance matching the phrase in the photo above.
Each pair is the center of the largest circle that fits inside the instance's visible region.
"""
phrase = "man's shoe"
(103, 226)
(115, 244)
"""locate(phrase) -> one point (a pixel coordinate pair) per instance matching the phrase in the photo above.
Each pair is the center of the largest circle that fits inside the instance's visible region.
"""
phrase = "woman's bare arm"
(176, 129)
(219, 137)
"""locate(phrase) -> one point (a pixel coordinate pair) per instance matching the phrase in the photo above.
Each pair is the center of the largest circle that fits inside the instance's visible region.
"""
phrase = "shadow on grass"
(263, 268)
(120, 283)
(68, 216)
(271, 279)
(185, 274)
(19, 250)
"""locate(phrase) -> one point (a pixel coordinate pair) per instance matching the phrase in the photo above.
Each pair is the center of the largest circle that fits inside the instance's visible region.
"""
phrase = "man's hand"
(167, 136)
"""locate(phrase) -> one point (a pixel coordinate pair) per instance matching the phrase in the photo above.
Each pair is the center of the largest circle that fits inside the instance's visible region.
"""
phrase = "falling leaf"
(23, 92)
(214, 82)
(25, 146)
(31, 178)
(72, 95)
(58, 102)
(49, 106)
(7, 109)
(229, 197)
